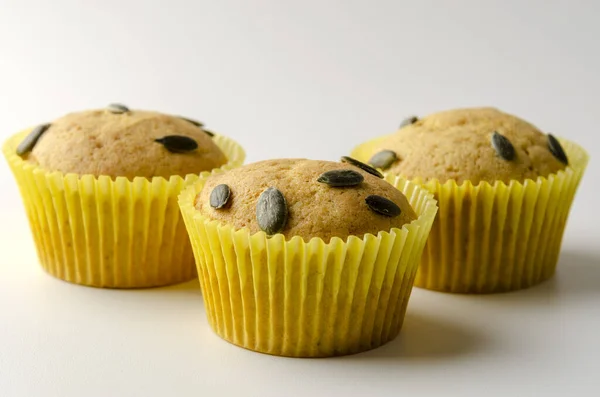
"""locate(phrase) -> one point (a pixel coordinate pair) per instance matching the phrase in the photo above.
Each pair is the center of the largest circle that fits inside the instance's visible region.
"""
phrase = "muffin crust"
(314, 209)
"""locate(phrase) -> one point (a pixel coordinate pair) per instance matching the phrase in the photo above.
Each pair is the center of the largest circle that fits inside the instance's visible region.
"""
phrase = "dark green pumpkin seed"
(341, 178)
(362, 166)
(30, 140)
(382, 206)
(220, 196)
(178, 143)
(271, 211)
(199, 125)
(383, 159)
(194, 122)
(503, 147)
(557, 150)
(408, 121)
(117, 108)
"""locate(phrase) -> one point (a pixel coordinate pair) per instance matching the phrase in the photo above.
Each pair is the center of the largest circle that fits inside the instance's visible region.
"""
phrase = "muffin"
(306, 258)
(504, 189)
(100, 190)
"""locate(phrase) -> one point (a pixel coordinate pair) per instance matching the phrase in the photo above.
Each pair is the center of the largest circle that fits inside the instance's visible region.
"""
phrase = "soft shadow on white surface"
(429, 338)
(190, 287)
(424, 338)
(577, 277)
(434, 337)
(579, 271)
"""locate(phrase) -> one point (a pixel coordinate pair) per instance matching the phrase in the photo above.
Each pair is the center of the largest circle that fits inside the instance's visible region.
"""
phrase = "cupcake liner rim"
(296, 299)
(186, 198)
(579, 164)
(235, 157)
(101, 231)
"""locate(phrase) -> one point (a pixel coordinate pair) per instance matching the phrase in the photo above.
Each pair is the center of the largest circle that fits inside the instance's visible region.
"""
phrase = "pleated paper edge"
(568, 181)
(46, 189)
(578, 160)
(187, 196)
(199, 229)
(233, 151)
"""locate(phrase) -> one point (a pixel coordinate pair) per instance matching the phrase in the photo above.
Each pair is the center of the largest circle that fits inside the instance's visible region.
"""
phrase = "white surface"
(309, 79)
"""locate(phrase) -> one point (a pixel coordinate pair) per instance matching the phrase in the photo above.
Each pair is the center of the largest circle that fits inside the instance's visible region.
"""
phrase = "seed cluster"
(347, 178)
(173, 143)
(505, 149)
(272, 207)
(500, 143)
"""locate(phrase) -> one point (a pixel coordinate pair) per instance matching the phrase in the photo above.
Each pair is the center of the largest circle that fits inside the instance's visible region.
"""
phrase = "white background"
(306, 79)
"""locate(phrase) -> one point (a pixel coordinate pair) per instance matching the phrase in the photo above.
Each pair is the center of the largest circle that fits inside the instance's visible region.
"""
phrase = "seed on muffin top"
(306, 198)
(475, 144)
(118, 141)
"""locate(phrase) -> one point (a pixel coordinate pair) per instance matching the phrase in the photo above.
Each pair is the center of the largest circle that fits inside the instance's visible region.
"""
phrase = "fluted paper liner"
(307, 299)
(109, 232)
(493, 238)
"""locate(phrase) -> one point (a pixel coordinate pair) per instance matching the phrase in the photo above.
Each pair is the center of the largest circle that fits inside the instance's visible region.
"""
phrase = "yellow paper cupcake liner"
(493, 238)
(307, 299)
(104, 232)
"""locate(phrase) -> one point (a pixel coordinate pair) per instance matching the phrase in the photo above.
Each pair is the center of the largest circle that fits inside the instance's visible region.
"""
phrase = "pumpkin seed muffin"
(504, 190)
(306, 258)
(100, 189)
(476, 144)
(309, 198)
(120, 142)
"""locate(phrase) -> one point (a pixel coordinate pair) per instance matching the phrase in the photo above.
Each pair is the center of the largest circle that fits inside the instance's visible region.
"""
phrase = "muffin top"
(474, 144)
(307, 198)
(120, 142)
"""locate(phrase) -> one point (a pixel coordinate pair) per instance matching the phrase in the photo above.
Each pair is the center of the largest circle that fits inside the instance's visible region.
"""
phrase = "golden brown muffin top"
(117, 141)
(475, 144)
(314, 208)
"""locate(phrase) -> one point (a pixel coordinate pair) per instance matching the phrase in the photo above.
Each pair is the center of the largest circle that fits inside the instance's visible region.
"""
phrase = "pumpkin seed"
(178, 143)
(196, 123)
(30, 140)
(341, 178)
(557, 150)
(383, 159)
(382, 206)
(503, 147)
(199, 125)
(362, 166)
(271, 211)
(408, 121)
(219, 196)
(117, 108)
